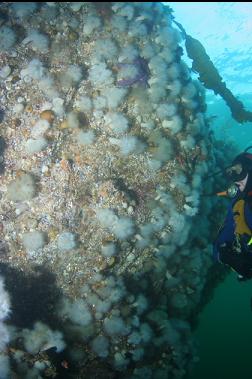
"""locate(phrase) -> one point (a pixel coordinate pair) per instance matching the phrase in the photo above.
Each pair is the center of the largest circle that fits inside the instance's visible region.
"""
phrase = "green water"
(225, 333)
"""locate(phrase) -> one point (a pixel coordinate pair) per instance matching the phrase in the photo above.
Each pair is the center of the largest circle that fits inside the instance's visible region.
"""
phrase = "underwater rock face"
(119, 156)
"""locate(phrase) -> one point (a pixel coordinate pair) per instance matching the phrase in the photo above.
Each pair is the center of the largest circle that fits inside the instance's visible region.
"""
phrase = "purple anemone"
(140, 78)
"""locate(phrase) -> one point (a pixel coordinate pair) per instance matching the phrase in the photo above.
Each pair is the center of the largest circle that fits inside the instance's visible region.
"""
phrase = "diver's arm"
(225, 235)
(241, 263)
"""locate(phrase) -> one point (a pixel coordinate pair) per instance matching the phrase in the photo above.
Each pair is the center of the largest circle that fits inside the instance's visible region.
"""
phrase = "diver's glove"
(242, 278)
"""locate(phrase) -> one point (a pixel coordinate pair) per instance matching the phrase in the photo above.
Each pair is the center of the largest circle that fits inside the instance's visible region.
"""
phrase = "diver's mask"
(236, 172)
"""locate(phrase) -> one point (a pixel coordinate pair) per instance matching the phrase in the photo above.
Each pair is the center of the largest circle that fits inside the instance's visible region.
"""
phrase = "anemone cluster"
(106, 150)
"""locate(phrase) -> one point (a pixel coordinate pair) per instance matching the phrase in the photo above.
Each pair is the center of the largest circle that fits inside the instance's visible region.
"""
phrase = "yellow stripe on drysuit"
(241, 226)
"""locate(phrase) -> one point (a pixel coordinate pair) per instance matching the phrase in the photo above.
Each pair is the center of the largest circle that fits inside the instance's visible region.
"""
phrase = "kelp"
(210, 77)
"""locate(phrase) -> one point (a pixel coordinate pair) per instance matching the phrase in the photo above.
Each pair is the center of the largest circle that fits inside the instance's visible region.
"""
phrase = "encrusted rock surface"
(104, 161)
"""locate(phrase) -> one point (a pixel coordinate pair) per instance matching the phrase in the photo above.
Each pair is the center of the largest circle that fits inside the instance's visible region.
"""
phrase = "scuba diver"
(233, 245)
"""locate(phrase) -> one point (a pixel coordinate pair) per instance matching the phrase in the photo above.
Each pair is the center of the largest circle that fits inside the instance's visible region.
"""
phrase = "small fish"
(49, 347)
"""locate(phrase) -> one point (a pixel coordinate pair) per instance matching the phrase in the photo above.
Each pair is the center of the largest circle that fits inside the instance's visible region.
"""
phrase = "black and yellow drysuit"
(233, 245)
